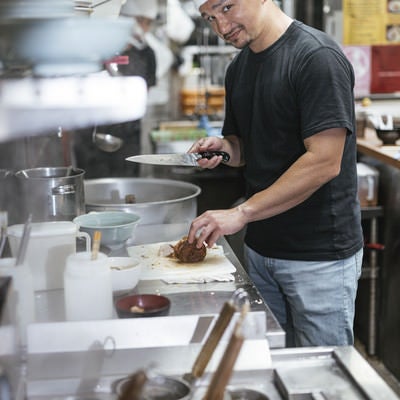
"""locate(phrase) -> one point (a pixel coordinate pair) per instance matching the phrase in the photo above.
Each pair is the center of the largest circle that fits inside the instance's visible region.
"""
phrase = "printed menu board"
(371, 22)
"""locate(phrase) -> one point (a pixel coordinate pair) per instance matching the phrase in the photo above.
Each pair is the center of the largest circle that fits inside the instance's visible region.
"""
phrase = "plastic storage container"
(49, 246)
(87, 287)
(368, 180)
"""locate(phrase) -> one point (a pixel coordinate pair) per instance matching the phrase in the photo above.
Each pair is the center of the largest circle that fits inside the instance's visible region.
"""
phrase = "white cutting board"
(154, 266)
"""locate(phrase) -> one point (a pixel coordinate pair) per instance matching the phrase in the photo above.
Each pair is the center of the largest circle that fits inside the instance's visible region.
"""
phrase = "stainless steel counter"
(85, 359)
(193, 309)
(293, 374)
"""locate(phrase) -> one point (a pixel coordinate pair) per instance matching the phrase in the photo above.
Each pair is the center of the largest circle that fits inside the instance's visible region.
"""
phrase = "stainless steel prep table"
(200, 299)
(319, 373)
(90, 368)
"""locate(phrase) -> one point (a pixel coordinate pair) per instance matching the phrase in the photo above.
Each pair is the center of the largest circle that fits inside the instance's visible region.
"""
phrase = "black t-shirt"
(297, 87)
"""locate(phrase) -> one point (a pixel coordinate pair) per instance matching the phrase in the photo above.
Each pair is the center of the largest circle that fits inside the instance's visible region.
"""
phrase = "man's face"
(235, 21)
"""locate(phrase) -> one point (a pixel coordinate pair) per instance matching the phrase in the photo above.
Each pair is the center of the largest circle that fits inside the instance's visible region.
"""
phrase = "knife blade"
(182, 159)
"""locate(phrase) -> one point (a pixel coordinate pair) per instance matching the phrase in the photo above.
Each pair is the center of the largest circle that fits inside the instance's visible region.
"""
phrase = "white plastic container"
(368, 181)
(125, 273)
(87, 287)
(22, 294)
(49, 245)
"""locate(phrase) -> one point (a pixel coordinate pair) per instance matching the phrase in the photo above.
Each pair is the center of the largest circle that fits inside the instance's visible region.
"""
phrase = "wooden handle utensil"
(223, 373)
(96, 244)
(213, 339)
(224, 318)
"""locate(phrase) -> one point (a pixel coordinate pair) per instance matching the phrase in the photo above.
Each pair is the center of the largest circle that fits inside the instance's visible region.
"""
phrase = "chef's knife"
(188, 159)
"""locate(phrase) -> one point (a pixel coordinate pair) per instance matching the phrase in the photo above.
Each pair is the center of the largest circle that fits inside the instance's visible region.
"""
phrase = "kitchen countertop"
(371, 145)
(188, 299)
(85, 359)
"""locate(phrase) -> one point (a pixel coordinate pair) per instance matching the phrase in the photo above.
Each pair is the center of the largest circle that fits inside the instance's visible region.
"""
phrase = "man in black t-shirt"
(290, 122)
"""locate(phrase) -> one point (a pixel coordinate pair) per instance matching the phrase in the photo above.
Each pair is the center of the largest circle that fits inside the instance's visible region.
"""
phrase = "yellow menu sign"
(371, 22)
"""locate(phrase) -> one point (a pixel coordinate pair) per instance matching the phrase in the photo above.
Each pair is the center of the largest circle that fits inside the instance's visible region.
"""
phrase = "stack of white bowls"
(47, 37)
(15, 9)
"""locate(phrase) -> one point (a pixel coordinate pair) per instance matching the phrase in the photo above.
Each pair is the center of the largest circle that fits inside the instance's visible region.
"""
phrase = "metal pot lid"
(41, 229)
(49, 173)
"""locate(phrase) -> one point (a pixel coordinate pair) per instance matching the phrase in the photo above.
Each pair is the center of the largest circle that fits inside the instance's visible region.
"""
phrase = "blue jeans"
(312, 300)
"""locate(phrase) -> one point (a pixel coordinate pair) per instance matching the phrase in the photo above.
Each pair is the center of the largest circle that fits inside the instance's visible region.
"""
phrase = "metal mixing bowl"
(157, 201)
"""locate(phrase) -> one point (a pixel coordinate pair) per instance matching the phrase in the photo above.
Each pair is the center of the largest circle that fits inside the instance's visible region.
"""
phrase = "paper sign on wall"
(371, 22)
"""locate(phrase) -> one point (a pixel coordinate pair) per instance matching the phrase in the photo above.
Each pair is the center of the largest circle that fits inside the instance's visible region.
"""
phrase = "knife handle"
(209, 154)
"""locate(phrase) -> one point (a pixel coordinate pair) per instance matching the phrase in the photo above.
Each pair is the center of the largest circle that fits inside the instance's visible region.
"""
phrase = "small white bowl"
(125, 273)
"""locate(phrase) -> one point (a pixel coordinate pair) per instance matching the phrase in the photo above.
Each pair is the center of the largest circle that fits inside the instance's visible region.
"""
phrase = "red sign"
(385, 68)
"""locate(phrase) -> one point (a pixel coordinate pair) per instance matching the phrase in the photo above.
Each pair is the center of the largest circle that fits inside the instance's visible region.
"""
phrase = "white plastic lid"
(366, 170)
(39, 229)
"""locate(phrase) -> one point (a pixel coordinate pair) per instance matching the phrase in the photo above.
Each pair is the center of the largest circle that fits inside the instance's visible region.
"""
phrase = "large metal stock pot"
(51, 194)
(157, 201)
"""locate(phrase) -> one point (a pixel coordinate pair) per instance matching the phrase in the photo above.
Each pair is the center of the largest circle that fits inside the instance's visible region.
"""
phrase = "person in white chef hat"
(289, 122)
(141, 61)
(144, 13)
(142, 58)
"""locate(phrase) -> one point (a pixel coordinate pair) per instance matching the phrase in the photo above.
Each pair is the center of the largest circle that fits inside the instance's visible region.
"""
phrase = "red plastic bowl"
(142, 305)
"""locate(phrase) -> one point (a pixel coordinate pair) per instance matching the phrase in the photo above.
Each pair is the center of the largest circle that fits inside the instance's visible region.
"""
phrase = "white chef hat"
(199, 3)
(140, 8)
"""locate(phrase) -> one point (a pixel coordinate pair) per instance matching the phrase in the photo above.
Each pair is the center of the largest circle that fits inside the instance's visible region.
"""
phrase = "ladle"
(106, 142)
